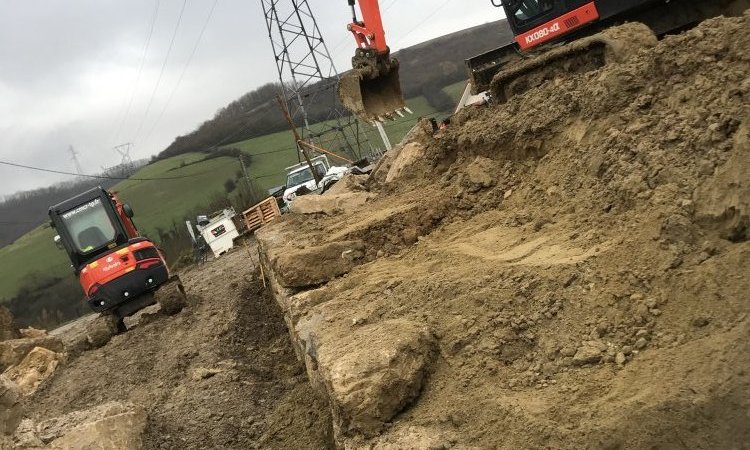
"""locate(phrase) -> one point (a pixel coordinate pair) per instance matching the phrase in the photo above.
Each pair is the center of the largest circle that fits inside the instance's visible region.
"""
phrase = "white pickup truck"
(300, 180)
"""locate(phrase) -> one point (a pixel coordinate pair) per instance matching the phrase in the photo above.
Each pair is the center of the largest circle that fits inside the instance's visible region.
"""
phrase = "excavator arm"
(372, 89)
(368, 32)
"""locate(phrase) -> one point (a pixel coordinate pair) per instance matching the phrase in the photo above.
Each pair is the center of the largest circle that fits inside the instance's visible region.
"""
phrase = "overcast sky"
(70, 70)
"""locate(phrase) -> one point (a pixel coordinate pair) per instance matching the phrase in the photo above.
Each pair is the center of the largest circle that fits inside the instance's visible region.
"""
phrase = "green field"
(160, 203)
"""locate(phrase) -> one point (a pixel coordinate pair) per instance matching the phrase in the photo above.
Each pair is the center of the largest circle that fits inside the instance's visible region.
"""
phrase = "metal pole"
(297, 140)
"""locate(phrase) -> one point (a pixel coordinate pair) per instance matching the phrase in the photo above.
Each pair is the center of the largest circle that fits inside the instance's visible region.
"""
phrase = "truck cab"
(300, 179)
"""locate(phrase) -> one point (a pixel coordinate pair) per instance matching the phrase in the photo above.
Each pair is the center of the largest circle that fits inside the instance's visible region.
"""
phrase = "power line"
(140, 71)
(161, 72)
(104, 177)
(419, 25)
(184, 69)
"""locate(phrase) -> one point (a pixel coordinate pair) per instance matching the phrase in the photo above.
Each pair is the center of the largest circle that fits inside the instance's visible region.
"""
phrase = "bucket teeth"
(400, 114)
(406, 108)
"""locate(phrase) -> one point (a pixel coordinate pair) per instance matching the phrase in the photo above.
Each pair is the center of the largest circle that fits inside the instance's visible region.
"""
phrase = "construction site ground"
(566, 270)
(220, 374)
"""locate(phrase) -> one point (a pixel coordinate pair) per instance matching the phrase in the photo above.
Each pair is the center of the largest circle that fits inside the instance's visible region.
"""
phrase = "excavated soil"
(220, 374)
(580, 255)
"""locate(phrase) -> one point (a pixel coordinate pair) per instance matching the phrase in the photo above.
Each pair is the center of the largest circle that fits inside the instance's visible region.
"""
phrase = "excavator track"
(171, 296)
(615, 44)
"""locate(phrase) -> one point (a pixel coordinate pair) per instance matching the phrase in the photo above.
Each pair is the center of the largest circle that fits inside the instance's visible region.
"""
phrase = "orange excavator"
(551, 38)
(120, 271)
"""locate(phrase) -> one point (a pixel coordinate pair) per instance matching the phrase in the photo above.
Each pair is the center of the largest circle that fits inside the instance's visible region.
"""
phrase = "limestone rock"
(348, 183)
(15, 350)
(11, 412)
(32, 332)
(111, 426)
(374, 373)
(418, 437)
(202, 373)
(315, 265)
(329, 204)
(409, 154)
(38, 366)
(26, 437)
(589, 353)
(422, 131)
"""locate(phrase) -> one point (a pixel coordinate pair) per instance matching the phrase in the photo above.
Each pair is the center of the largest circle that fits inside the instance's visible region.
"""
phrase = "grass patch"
(455, 90)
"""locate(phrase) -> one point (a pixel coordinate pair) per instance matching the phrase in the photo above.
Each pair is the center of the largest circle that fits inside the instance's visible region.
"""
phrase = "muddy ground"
(220, 374)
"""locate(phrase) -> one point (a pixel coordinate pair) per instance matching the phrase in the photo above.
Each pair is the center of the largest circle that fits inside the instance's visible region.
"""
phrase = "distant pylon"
(74, 158)
(308, 76)
(124, 151)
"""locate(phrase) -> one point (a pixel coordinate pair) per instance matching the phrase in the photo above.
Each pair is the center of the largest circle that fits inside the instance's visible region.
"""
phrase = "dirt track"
(259, 398)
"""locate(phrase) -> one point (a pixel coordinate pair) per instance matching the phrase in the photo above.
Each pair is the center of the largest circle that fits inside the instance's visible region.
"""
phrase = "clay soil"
(220, 374)
(580, 255)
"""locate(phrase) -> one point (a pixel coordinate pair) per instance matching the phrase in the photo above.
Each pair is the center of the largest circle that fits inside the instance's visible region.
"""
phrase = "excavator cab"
(117, 268)
(372, 89)
(88, 226)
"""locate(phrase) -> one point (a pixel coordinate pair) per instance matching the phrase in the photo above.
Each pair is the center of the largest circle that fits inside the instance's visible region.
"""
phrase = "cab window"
(89, 226)
(530, 9)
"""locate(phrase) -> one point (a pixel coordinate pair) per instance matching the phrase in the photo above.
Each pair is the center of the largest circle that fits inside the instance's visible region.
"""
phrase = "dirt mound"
(220, 374)
(579, 254)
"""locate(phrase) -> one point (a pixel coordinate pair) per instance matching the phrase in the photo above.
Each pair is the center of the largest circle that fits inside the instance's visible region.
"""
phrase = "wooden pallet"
(261, 213)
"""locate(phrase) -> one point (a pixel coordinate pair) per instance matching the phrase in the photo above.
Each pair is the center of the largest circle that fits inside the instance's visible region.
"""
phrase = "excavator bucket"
(372, 98)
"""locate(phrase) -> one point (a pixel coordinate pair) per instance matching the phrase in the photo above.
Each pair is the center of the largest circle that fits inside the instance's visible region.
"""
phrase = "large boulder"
(32, 332)
(297, 268)
(348, 183)
(374, 373)
(26, 437)
(37, 367)
(111, 426)
(14, 351)
(409, 154)
(11, 412)
(8, 329)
